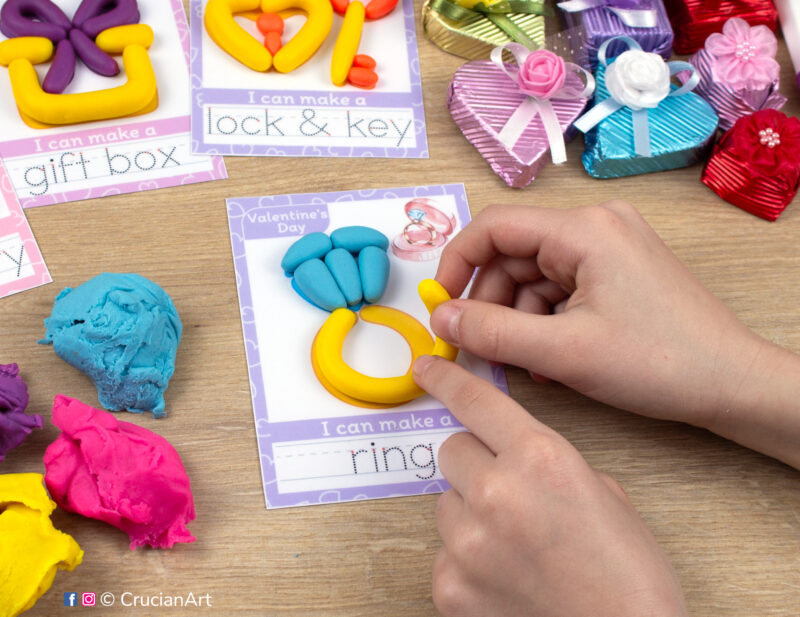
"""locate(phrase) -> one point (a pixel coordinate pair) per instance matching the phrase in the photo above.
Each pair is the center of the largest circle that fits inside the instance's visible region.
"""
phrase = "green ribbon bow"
(495, 12)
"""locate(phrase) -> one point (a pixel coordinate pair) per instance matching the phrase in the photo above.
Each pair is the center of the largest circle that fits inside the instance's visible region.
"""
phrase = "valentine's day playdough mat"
(95, 159)
(238, 111)
(315, 448)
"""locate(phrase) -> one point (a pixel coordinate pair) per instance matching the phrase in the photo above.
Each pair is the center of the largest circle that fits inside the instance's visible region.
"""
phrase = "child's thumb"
(502, 334)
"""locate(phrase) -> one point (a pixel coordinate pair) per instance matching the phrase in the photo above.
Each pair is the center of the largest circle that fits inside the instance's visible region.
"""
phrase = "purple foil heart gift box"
(519, 124)
(645, 21)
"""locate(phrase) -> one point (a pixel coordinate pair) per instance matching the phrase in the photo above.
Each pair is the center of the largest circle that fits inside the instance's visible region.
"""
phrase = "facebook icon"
(70, 598)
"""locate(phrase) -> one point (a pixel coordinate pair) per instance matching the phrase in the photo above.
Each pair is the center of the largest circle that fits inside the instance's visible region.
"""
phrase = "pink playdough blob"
(120, 473)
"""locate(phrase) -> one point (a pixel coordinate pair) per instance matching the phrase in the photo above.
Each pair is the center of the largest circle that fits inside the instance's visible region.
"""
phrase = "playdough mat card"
(314, 447)
(294, 108)
(21, 263)
(147, 145)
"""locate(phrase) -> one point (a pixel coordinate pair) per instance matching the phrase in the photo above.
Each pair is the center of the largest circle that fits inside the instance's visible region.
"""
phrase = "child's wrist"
(762, 409)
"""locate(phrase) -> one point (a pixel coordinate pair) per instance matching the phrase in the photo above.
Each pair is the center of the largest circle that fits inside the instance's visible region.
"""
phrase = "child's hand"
(632, 327)
(528, 527)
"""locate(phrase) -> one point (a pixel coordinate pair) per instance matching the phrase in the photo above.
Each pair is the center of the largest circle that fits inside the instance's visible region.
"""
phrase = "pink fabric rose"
(542, 75)
(744, 56)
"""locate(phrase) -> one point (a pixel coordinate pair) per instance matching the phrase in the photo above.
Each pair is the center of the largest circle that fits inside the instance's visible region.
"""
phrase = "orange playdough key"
(364, 61)
(374, 9)
(270, 22)
(273, 43)
(380, 8)
(362, 77)
(340, 6)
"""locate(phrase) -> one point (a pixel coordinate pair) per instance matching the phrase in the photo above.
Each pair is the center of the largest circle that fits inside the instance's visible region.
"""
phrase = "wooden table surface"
(728, 518)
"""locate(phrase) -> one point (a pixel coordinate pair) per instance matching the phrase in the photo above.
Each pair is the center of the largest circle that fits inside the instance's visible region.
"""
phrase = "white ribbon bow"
(641, 122)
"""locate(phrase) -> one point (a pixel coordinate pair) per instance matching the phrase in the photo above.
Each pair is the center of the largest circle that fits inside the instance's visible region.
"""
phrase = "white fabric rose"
(638, 79)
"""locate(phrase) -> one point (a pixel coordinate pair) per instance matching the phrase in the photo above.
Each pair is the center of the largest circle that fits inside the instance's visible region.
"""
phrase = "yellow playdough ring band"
(231, 37)
(332, 335)
(354, 387)
(304, 44)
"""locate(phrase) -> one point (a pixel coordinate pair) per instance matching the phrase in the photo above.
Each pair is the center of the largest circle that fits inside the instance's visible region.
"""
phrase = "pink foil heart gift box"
(515, 114)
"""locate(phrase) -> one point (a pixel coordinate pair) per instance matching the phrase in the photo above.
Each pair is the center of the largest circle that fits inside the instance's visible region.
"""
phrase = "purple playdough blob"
(14, 424)
(76, 37)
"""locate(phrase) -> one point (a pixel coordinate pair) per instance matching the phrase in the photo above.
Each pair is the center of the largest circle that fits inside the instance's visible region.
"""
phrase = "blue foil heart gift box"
(641, 122)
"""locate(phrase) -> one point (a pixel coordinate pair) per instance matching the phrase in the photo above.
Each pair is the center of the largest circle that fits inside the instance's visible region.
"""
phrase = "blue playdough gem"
(300, 293)
(123, 331)
(313, 246)
(356, 238)
(354, 272)
(373, 264)
(344, 269)
(316, 283)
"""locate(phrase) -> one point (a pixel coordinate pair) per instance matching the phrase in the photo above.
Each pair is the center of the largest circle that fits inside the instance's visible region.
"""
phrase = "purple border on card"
(271, 432)
(21, 147)
(411, 100)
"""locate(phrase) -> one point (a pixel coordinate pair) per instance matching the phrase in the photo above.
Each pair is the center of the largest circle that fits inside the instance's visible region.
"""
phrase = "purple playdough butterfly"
(71, 38)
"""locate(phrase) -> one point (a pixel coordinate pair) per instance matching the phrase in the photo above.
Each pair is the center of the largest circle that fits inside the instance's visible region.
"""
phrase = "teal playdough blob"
(123, 331)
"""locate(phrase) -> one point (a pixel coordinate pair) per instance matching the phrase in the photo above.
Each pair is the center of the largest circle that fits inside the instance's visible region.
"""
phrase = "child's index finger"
(490, 415)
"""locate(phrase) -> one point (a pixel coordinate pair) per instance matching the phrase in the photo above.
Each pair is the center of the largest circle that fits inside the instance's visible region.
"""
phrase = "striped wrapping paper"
(481, 100)
(757, 172)
(694, 20)
(682, 129)
(601, 24)
(730, 104)
(475, 37)
(733, 180)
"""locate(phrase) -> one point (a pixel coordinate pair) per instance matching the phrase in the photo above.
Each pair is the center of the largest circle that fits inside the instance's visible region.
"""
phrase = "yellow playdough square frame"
(42, 110)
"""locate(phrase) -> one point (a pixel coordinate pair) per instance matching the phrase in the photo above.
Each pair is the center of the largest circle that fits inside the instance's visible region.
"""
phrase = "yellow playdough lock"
(361, 390)
(236, 41)
(40, 109)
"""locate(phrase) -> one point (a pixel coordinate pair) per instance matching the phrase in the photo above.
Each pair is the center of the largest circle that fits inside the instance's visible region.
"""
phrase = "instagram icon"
(88, 599)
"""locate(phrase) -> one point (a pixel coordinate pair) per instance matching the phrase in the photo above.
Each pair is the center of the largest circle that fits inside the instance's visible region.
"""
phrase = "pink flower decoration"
(745, 56)
(542, 75)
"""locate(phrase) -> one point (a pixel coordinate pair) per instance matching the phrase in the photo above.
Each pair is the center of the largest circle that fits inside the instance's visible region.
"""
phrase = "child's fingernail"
(421, 363)
(444, 321)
